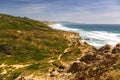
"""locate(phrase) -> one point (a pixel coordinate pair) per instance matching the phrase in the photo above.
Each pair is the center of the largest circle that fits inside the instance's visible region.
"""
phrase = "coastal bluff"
(31, 50)
(101, 65)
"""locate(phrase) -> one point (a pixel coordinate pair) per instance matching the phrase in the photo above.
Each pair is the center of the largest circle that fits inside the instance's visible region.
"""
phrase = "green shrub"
(33, 67)
(14, 75)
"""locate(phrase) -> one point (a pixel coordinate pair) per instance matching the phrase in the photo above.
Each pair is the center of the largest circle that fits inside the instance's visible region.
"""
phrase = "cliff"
(104, 64)
(101, 64)
(30, 49)
(29, 46)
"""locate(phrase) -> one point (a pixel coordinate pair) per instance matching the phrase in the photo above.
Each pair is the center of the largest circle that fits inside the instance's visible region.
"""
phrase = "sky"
(80, 11)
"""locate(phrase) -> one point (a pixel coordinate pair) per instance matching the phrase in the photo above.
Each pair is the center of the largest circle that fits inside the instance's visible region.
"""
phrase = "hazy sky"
(82, 11)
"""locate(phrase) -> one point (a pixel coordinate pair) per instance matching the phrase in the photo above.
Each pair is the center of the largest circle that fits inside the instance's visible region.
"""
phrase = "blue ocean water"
(95, 34)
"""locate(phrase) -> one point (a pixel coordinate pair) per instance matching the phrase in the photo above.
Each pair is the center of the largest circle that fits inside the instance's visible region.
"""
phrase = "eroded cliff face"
(75, 41)
(76, 47)
(104, 64)
(81, 61)
(30, 50)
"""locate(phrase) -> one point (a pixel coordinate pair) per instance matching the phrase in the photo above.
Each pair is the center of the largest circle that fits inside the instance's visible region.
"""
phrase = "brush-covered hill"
(28, 46)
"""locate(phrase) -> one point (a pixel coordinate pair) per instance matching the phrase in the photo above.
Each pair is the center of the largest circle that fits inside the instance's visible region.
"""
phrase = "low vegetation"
(29, 49)
(28, 45)
(27, 41)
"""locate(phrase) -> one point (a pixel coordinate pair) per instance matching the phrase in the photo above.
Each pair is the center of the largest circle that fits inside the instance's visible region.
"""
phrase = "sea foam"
(62, 27)
(95, 38)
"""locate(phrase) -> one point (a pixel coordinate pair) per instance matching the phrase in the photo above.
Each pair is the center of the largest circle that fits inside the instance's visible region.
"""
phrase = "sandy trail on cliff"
(17, 66)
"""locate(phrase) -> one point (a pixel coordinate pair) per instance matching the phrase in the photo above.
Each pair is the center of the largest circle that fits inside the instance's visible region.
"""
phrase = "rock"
(116, 49)
(118, 45)
(95, 65)
(76, 66)
(89, 57)
(53, 73)
(19, 31)
(105, 49)
(6, 49)
(61, 67)
(74, 38)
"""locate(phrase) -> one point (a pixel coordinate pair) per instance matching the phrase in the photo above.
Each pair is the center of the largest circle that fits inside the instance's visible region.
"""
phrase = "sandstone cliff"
(101, 64)
(76, 47)
(30, 50)
(104, 64)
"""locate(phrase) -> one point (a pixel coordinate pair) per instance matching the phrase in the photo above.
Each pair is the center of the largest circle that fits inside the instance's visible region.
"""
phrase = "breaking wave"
(95, 38)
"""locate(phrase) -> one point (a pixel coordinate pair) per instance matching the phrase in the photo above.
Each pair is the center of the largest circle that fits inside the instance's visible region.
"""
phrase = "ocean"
(95, 34)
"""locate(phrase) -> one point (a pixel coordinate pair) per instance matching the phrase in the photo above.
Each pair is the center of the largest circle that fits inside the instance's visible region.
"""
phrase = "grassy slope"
(28, 42)
(28, 39)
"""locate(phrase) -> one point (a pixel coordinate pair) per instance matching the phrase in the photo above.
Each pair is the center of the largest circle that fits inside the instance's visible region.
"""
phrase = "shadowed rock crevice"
(6, 49)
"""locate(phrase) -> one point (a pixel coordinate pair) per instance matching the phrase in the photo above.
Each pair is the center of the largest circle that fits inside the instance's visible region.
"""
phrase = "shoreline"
(101, 40)
(73, 32)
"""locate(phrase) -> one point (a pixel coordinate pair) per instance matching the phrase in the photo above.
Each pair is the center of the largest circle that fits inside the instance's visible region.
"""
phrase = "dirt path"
(17, 66)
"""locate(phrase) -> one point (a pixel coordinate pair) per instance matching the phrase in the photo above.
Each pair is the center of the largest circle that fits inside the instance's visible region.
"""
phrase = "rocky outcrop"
(96, 65)
(105, 49)
(77, 43)
(6, 49)
(74, 38)
(116, 49)
(76, 47)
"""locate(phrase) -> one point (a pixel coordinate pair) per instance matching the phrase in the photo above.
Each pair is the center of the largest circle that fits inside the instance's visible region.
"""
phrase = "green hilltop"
(24, 40)
(27, 41)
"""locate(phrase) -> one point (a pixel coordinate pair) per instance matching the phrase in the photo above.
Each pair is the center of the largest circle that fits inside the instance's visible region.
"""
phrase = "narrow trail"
(59, 57)
(17, 66)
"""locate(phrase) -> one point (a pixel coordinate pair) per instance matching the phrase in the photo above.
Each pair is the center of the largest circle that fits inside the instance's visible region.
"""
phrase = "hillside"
(30, 49)
(28, 46)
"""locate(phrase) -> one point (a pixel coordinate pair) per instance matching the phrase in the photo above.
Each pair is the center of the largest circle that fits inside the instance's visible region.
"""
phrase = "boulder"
(76, 66)
(105, 49)
(6, 49)
(89, 57)
(116, 49)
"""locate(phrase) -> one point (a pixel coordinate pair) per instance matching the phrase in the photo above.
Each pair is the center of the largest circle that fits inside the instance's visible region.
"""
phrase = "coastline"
(72, 32)
(39, 52)
(93, 37)
(106, 56)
